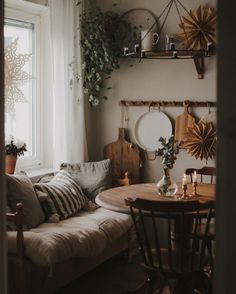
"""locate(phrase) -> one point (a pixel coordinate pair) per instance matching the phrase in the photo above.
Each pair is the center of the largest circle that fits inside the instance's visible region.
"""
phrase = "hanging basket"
(10, 163)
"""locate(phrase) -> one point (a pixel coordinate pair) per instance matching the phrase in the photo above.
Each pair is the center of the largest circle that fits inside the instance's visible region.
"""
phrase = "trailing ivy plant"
(100, 57)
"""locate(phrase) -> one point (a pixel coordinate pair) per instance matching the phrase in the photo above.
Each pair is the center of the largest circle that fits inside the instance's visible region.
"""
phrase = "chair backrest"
(208, 171)
(183, 220)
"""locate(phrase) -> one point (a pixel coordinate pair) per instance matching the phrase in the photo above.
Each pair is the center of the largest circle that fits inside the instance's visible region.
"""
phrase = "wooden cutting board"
(182, 122)
(125, 158)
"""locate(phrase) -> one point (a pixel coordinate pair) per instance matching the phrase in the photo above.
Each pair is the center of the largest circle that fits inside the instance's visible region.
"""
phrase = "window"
(28, 23)
(22, 125)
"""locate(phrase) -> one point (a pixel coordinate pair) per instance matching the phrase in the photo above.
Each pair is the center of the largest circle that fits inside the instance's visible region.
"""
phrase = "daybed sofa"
(45, 253)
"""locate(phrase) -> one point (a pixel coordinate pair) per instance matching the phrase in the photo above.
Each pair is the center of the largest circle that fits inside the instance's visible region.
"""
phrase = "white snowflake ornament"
(15, 77)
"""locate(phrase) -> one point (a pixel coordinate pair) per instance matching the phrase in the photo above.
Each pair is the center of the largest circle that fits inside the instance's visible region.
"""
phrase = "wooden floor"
(116, 276)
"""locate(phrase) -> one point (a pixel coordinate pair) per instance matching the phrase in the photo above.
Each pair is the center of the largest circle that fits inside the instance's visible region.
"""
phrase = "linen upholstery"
(64, 192)
(85, 235)
(44, 178)
(20, 189)
(48, 207)
(93, 177)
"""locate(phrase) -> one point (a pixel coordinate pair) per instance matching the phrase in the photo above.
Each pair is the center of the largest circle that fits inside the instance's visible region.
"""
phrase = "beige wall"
(151, 80)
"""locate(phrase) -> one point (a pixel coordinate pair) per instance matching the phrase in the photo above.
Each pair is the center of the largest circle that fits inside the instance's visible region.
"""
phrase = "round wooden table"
(114, 199)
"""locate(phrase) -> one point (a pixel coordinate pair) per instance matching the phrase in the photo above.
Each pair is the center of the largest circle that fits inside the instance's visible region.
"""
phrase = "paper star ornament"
(15, 77)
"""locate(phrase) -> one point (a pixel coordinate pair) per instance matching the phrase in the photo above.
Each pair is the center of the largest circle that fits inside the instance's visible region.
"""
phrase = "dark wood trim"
(225, 272)
(3, 266)
(18, 219)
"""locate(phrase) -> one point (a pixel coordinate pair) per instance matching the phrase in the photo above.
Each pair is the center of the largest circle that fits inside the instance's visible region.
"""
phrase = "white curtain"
(69, 117)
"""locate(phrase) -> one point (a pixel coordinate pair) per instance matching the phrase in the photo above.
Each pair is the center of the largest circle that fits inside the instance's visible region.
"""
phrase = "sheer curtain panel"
(69, 117)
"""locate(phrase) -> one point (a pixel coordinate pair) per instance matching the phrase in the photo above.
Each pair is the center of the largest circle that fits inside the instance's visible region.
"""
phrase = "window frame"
(33, 13)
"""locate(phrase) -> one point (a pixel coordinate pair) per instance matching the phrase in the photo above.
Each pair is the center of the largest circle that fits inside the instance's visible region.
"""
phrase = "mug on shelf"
(148, 40)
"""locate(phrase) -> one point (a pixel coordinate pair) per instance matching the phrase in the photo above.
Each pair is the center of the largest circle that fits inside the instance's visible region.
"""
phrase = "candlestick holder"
(184, 195)
(194, 184)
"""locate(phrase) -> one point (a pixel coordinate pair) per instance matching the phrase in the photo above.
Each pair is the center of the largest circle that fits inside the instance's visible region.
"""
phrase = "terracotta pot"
(10, 163)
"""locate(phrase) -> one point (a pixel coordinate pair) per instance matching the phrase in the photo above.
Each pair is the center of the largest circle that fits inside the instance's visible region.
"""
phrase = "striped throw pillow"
(48, 207)
(65, 193)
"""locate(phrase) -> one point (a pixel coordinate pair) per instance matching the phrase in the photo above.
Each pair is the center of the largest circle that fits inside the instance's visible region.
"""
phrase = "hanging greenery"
(100, 58)
(101, 47)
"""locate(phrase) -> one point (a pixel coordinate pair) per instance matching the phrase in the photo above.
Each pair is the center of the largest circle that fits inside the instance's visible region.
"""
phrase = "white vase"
(166, 186)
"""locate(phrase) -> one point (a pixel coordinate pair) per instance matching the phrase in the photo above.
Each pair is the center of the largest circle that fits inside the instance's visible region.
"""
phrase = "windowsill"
(36, 172)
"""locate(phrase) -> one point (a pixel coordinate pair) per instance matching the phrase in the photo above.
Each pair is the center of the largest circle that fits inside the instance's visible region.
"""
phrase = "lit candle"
(136, 48)
(209, 46)
(184, 181)
(195, 177)
(126, 50)
(175, 54)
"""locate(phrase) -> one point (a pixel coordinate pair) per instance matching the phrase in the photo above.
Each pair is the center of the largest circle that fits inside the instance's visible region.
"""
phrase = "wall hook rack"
(170, 103)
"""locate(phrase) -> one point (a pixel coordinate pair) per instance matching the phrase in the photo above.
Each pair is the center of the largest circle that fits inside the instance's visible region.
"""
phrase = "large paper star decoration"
(15, 77)
(200, 140)
(198, 28)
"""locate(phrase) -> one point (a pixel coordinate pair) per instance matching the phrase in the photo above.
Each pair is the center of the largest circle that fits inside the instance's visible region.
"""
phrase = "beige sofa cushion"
(93, 177)
(20, 189)
(84, 235)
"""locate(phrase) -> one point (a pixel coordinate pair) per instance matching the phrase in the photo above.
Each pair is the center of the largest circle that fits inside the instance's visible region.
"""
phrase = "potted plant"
(166, 186)
(13, 148)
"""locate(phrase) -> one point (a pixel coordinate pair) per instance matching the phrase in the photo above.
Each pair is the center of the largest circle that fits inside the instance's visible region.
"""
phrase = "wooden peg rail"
(167, 103)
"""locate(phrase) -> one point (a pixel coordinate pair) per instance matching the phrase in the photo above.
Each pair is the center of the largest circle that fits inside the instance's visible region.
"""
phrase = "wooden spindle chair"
(181, 263)
(204, 172)
(207, 175)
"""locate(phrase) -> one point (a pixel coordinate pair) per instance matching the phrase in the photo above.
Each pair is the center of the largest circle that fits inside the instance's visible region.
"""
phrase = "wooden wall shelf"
(167, 103)
(197, 56)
